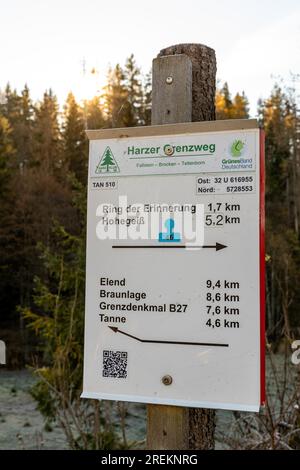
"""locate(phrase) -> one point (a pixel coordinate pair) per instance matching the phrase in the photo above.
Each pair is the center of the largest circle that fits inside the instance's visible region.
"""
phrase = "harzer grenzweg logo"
(107, 163)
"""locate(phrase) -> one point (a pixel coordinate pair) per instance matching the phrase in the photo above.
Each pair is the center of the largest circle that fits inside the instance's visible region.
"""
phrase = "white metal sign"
(174, 266)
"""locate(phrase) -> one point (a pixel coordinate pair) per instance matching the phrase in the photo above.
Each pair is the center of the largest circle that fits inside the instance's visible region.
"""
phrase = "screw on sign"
(167, 380)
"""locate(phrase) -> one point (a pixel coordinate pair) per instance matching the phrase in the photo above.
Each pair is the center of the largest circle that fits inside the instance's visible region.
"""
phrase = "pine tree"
(277, 116)
(115, 98)
(47, 136)
(8, 277)
(133, 84)
(240, 107)
(223, 102)
(274, 117)
(18, 109)
(94, 114)
(10, 109)
(74, 140)
(125, 99)
(24, 138)
(10, 106)
(6, 154)
(147, 99)
(226, 108)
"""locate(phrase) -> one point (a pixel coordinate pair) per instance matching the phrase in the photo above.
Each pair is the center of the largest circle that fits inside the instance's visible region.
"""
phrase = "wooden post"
(183, 90)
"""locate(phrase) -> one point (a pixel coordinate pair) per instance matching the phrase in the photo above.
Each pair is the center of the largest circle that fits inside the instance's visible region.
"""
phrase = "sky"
(44, 42)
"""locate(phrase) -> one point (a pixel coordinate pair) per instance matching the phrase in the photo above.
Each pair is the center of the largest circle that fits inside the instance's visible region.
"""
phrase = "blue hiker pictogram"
(169, 235)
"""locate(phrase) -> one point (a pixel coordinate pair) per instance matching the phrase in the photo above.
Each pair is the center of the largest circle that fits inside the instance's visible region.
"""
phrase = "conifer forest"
(43, 182)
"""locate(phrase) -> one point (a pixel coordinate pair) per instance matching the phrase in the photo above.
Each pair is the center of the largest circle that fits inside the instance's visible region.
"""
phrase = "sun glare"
(90, 84)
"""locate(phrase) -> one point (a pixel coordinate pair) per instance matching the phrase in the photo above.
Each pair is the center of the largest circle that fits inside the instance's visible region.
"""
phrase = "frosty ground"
(23, 427)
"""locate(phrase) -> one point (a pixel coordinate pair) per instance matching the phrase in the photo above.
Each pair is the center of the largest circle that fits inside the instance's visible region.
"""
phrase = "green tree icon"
(108, 163)
(108, 159)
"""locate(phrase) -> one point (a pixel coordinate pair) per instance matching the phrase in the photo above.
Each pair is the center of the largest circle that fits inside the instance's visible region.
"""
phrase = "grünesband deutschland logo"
(237, 148)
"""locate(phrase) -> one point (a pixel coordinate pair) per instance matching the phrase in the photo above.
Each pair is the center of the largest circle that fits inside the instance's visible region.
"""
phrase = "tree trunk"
(193, 100)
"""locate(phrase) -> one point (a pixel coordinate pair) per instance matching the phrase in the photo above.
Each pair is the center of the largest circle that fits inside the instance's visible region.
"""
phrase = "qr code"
(115, 364)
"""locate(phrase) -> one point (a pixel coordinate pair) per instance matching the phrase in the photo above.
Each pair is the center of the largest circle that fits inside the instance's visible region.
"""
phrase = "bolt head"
(169, 80)
(167, 380)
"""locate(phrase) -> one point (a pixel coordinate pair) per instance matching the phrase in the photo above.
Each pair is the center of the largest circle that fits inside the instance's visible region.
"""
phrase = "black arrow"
(217, 246)
(116, 330)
